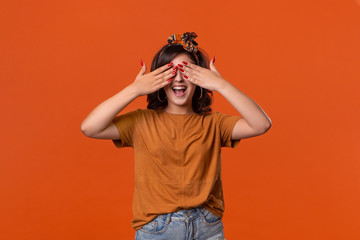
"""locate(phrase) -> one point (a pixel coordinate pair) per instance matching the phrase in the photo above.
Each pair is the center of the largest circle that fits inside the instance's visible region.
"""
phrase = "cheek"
(193, 87)
(167, 89)
(192, 92)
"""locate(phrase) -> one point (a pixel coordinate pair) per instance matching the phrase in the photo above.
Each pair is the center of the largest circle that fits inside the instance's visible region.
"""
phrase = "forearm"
(249, 110)
(101, 116)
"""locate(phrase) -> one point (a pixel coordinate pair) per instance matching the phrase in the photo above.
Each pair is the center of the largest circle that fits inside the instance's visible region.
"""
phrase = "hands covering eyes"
(203, 77)
(146, 83)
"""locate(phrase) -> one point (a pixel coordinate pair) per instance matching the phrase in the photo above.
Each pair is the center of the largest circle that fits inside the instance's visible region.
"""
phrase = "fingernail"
(185, 76)
(181, 70)
(180, 65)
(142, 63)
(214, 59)
(170, 80)
(185, 63)
(170, 64)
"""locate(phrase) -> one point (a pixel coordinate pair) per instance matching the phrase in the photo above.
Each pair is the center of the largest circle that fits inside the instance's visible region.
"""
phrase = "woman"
(177, 140)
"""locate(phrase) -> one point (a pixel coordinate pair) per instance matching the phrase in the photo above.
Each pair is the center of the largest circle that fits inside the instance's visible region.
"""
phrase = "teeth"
(179, 87)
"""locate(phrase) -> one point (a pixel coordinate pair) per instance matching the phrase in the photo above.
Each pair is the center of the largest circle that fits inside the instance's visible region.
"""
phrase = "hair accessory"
(187, 41)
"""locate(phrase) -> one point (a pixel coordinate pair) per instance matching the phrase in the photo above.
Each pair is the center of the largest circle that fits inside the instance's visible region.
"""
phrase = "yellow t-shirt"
(177, 160)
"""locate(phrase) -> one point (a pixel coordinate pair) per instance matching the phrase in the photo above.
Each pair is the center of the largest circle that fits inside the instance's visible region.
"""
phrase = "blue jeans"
(191, 224)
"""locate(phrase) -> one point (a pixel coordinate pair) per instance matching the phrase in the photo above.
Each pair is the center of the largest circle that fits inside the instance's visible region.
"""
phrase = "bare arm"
(98, 123)
(101, 116)
(254, 121)
(247, 107)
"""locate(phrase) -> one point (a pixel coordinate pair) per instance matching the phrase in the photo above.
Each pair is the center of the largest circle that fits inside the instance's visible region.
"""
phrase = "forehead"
(183, 57)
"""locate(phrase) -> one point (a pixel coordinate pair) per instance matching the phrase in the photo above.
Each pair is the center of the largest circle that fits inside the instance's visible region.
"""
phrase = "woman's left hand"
(203, 77)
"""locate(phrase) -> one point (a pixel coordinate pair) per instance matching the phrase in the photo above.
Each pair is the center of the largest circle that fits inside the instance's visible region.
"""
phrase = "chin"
(180, 102)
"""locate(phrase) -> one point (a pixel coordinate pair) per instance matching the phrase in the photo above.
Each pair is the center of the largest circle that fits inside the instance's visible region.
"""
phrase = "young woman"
(177, 140)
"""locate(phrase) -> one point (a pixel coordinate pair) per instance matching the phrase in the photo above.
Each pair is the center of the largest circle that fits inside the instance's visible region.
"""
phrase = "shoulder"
(225, 120)
(214, 115)
(210, 118)
(220, 115)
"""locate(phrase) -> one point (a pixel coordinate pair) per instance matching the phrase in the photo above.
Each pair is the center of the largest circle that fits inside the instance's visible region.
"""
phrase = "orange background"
(299, 60)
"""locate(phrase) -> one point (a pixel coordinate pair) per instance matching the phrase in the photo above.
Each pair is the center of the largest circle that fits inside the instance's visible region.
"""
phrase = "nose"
(178, 76)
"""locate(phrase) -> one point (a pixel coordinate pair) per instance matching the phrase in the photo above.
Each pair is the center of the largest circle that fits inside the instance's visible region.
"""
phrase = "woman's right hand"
(153, 81)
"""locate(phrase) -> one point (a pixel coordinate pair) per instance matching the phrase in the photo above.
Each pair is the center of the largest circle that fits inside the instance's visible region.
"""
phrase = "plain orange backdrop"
(299, 60)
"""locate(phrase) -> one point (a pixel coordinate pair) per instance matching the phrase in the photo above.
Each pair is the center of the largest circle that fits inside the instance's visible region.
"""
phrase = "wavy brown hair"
(165, 55)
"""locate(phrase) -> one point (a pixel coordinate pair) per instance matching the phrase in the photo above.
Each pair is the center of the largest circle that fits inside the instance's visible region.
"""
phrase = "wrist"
(223, 86)
(133, 90)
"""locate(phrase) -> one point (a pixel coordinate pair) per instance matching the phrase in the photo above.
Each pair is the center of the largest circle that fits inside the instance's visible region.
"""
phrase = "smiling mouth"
(179, 91)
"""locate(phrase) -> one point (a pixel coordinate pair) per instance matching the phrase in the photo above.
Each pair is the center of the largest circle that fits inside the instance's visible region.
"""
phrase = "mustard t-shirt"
(177, 160)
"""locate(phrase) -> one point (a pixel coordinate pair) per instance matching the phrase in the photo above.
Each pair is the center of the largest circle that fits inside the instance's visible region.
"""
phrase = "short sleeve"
(226, 125)
(125, 124)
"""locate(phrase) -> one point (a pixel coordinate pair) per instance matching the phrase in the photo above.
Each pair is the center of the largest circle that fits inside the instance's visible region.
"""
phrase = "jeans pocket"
(157, 225)
(209, 218)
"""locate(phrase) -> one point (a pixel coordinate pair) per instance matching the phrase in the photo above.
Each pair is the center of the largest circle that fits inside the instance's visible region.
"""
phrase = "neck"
(179, 109)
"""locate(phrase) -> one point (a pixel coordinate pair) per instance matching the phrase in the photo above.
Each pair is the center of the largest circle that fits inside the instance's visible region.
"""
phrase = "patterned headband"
(187, 41)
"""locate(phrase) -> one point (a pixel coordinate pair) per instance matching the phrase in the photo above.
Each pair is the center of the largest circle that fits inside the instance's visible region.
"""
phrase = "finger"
(163, 84)
(162, 68)
(192, 79)
(166, 73)
(190, 72)
(212, 67)
(166, 78)
(192, 66)
(142, 70)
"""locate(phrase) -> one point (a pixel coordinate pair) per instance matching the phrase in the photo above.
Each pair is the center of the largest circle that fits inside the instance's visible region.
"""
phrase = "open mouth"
(179, 91)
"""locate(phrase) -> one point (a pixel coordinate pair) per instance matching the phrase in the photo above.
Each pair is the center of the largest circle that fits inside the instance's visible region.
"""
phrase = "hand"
(203, 77)
(153, 81)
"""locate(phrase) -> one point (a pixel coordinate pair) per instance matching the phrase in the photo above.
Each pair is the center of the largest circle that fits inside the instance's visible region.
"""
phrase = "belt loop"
(168, 218)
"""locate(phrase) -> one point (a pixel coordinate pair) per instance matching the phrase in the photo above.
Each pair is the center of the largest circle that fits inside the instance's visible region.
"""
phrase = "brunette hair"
(165, 55)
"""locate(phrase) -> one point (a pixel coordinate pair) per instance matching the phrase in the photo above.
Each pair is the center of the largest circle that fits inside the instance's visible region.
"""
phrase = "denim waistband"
(188, 213)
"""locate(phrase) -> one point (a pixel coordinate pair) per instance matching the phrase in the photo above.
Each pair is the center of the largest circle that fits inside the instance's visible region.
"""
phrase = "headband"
(187, 41)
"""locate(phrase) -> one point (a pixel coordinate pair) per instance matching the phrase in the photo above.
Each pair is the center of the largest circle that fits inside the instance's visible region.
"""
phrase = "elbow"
(82, 127)
(84, 130)
(267, 126)
(264, 128)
